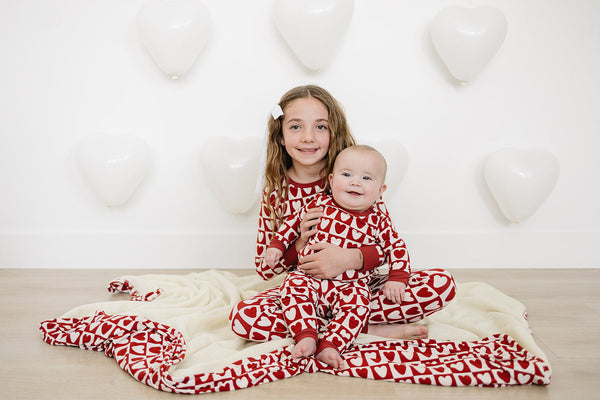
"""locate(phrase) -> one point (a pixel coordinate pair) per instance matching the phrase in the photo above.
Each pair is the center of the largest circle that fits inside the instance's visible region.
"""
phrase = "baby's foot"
(304, 348)
(399, 331)
(331, 357)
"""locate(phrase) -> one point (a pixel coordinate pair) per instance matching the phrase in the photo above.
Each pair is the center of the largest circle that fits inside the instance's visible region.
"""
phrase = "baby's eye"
(367, 178)
(346, 174)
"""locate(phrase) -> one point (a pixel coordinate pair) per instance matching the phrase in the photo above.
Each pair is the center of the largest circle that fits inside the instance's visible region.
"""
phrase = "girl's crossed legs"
(260, 318)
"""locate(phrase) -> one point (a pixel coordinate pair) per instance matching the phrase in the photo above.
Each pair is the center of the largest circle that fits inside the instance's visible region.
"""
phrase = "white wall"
(70, 68)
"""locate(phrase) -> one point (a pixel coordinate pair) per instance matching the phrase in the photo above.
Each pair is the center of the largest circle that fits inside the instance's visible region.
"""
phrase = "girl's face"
(306, 133)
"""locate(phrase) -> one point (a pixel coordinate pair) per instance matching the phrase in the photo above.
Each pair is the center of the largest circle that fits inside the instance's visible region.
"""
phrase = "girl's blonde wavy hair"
(278, 160)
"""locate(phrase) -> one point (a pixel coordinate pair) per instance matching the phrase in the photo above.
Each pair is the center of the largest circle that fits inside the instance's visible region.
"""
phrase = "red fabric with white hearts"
(147, 350)
(349, 229)
(339, 309)
(259, 318)
(124, 286)
(298, 196)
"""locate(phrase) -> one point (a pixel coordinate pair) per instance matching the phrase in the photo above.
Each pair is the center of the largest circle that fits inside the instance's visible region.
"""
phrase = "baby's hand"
(272, 256)
(308, 226)
(394, 291)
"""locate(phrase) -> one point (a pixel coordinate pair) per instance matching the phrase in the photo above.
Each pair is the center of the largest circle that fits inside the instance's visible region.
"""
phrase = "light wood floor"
(563, 308)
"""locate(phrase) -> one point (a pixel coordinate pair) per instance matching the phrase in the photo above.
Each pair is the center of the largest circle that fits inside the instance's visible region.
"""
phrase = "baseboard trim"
(235, 250)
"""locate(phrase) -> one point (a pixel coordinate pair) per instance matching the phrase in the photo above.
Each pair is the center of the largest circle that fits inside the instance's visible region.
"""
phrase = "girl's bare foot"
(331, 357)
(399, 331)
(304, 348)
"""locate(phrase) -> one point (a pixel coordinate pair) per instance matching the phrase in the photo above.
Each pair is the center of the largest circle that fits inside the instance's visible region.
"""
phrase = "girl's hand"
(394, 291)
(272, 256)
(329, 260)
(308, 226)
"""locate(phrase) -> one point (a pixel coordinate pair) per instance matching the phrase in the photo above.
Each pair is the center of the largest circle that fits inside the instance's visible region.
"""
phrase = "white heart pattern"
(231, 169)
(114, 165)
(313, 29)
(466, 39)
(521, 180)
(174, 33)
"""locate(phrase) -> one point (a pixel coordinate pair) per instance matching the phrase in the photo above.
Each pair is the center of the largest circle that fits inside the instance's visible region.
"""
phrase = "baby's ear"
(330, 178)
(382, 189)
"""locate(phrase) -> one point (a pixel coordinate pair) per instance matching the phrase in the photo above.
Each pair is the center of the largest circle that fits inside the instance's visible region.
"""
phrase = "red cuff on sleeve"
(399, 276)
(370, 257)
(277, 244)
(290, 255)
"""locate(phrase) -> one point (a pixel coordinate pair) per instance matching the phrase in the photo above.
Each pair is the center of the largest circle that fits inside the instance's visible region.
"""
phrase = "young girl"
(306, 132)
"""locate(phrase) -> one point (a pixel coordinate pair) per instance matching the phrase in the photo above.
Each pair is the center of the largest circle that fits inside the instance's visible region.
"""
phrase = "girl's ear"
(330, 179)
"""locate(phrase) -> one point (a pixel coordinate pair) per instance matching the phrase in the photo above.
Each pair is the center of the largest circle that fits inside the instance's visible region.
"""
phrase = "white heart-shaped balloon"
(114, 165)
(396, 157)
(313, 28)
(467, 38)
(521, 180)
(174, 32)
(231, 169)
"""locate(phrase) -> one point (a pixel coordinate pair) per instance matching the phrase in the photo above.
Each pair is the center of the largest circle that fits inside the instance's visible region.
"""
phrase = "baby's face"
(357, 179)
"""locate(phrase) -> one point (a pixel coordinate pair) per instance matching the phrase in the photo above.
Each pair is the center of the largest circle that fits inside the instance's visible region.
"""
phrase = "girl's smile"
(305, 129)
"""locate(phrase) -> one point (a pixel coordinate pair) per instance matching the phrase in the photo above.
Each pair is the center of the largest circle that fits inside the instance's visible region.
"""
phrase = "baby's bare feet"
(331, 357)
(400, 331)
(304, 348)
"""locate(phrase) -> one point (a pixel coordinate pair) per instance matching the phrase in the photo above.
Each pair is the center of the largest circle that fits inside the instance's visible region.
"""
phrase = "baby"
(353, 215)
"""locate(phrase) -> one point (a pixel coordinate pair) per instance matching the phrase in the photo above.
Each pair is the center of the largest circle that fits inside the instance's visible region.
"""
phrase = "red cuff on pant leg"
(323, 344)
(306, 333)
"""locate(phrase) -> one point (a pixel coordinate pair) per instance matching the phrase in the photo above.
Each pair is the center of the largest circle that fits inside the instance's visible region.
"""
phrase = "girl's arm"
(286, 236)
(330, 260)
(263, 238)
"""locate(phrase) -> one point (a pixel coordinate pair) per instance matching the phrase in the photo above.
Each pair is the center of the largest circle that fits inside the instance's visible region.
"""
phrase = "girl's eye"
(346, 174)
(295, 127)
(322, 127)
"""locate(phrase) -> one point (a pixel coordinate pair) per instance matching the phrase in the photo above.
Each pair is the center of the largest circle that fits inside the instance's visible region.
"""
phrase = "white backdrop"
(72, 68)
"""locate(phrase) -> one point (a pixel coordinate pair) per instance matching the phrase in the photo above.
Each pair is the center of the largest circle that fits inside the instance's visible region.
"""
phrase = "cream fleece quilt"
(173, 334)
